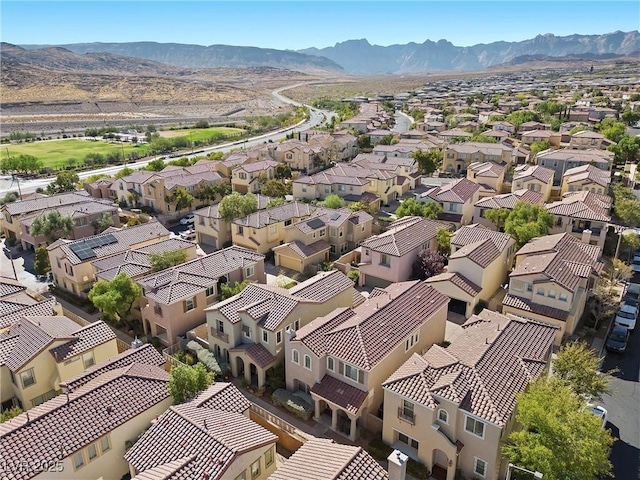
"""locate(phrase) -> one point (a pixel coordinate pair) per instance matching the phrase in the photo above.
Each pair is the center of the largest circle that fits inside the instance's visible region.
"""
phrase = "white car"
(627, 316)
(190, 218)
(599, 411)
(188, 235)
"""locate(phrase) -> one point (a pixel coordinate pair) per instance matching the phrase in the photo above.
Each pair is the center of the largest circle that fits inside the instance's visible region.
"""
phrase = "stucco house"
(17, 301)
(488, 174)
(536, 136)
(389, 257)
(452, 408)
(342, 359)
(535, 178)
(586, 178)
(551, 281)
(250, 177)
(478, 266)
(305, 157)
(174, 300)
(456, 199)
(564, 159)
(506, 200)
(586, 139)
(458, 156)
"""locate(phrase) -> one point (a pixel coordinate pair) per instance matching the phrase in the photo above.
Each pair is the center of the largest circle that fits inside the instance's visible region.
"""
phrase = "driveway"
(22, 268)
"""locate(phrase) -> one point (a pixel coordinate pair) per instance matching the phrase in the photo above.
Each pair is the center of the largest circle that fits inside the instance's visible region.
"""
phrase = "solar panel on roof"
(82, 251)
(335, 217)
(315, 223)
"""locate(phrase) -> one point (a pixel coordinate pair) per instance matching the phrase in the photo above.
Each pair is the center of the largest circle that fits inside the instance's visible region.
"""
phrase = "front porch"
(251, 362)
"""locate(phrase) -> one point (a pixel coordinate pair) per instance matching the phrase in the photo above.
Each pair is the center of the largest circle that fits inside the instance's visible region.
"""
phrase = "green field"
(56, 153)
(201, 134)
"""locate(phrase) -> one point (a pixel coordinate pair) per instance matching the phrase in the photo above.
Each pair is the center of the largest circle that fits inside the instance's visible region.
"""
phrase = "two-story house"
(86, 433)
(342, 358)
(305, 157)
(458, 156)
(229, 445)
(213, 230)
(263, 230)
(583, 214)
(250, 177)
(533, 125)
(336, 147)
(489, 175)
(586, 139)
(586, 178)
(551, 281)
(537, 136)
(327, 233)
(16, 301)
(456, 198)
(174, 300)
(564, 159)
(247, 330)
(534, 178)
(452, 408)
(71, 260)
(478, 265)
(506, 200)
(39, 352)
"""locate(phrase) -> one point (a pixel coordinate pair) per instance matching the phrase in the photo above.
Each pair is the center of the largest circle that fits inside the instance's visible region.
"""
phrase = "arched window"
(307, 362)
(443, 416)
(295, 356)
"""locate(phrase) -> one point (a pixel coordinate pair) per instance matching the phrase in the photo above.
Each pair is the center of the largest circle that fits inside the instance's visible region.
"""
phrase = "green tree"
(497, 216)
(168, 259)
(41, 262)
(20, 164)
(228, 291)
(202, 124)
(155, 165)
(612, 129)
(282, 171)
(628, 211)
(104, 222)
(478, 137)
(123, 173)
(9, 197)
(52, 225)
(181, 197)
(428, 161)
(578, 128)
(630, 116)
(526, 222)
(578, 367)
(274, 188)
(333, 201)
(626, 150)
(443, 239)
(275, 202)
(237, 206)
(185, 381)
(412, 207)
(359, 206)
(522, 116)
(65, 181)
(116, 297)
(541, 146)
(9, 413)
(560, 437)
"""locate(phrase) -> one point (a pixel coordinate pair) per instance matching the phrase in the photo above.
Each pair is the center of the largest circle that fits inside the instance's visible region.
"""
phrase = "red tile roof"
(527, 305)
(457, 279)
(458, 191)
(222, 396)
(583, 205)
(256, 352)
(340, 393)
(404, 235)
(509, 200)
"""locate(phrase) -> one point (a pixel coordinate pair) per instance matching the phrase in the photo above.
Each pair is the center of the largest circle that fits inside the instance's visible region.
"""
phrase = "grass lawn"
(56, 153)
(201, 134)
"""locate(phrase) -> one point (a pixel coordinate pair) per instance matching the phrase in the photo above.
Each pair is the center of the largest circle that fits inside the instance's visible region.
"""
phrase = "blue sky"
(300, 24)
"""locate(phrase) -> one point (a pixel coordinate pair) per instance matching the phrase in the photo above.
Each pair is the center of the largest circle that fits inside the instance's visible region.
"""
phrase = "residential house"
(209, 437)
(305, 157)
(502, 126)
(327, 233)
(488, 175)
(250, 177)
(478, 265)
(552, 280)
(535, 178)
(506, 200)
(405, 148)
(86, 433)
(456, 198)
(449, 135)
(531, 126)
(406, 169)
(336, 147)
(39, 352)
(214, 231)
(458, 156)
(247, 330)
(375, 136)
(452, 408)
(263, 230)
(16, 301)
(326, 459)
(174, 300)
(587, 139)
(241, 157)
(586, 178)
(537, 136)
(583, 214)
(389, 257)
(342, 359)
(564, 159)
(498, 135)
(101, 188)
(71, 260)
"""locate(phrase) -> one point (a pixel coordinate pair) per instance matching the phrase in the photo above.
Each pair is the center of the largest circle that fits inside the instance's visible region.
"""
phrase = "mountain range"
(359, 57)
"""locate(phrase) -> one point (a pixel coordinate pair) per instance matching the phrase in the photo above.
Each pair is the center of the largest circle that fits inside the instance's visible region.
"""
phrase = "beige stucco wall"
(101, 353)
(543, 188)
(217, 228)
(400, 269)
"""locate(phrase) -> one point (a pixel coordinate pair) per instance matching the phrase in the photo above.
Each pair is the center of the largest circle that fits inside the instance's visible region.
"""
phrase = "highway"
(316, 118)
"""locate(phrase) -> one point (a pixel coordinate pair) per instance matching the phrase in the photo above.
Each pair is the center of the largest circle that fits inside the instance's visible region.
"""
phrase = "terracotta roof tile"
(336, 391)
(457, 279)
(404, 235)
(86, 338)
(533, 172)
(583, 205)
(527, 305)
(458, 191)
(222, 396)
(257, 352)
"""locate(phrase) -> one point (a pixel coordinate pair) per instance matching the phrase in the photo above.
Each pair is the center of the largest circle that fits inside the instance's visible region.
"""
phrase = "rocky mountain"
(198, 56)
(360, 57)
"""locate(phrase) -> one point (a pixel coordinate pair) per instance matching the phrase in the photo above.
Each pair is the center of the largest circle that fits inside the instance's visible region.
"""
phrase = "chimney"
(397, 465)
(289, 334)
(586, 236)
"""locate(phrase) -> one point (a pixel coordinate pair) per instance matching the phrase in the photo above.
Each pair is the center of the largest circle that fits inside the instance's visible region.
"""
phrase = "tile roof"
(186, 280)
(583, 205)
(143, 355)
(533, 172)
(457, 279)
(458, 191)
(323, 459)
(482, 252)
(35, 204)
(346, 174)
(222, 396)
(404, 235)
(487, 169)
(12, 311)
(576, 156)
(495, 149)
(322, 286)
(493, 359)
(287, 211)
(340, 393)
(305, 251)
(471, 234)
(69, 423)
(192, 180)
(256, 352)
(588, 172)
(196, 442)
(509, 200)
(86, 338)
(76, 210)
(527, 305)
(257, 166)
(9, 286)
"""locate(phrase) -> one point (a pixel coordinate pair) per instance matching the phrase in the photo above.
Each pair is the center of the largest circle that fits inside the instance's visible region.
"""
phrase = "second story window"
(443, 416)
(265, 336)
(240, 230)
(189, 304)
(384, 260)
(295, 356)
(28, 378)
(307, 362)
(411, 341)
(562, 297)
(211, 291)
(453, 207)
(88, 359)
(406, 411)
(279, 336)
(330, 363)
(476, 427)
(249, 271)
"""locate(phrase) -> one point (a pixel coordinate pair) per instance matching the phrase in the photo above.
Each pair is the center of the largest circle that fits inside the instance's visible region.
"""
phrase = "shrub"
(481, 305)
(444, 343)
(354, 275)
(155, 341)
(189, 359)
(417, 470)
(378, 449)
(295, 405)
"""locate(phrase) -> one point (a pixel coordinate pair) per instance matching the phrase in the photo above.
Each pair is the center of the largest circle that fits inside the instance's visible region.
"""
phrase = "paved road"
(403, 122)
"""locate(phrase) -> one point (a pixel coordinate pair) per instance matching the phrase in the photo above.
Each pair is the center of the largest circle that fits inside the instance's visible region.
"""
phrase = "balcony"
(595, 232)
(221, 335)
(406, 415)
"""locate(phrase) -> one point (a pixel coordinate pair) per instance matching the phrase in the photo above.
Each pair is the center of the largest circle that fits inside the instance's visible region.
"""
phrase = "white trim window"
(295, 357)
(443, 416)
(307, 362)
(480, 467)
(249, 271)
(330, 364)
(474, 426)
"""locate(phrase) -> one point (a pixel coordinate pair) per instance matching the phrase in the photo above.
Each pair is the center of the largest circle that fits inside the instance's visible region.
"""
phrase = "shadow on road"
(625, 457)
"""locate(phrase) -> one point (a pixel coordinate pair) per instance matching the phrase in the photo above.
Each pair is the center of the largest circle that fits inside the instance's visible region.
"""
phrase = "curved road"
(316, 117)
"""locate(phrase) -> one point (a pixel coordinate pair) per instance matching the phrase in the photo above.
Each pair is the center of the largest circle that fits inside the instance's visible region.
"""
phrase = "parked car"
(190, 218)
(599, 411)
(626, 316)
(618, 338)
(188, 234)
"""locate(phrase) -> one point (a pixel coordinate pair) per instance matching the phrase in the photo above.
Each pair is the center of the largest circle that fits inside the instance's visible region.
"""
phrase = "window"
(384, 259)
(265, 336)
(249, 271)
(279, 336)
(211, 291)
(516, 285)
(351, 372)
(189, 304)
(480, 467)
(323, 232)
(307, 362)
(295, 356)
(242, 175)
(28, 378)
(551, 294)
(407, 411)
(296, 325)
(330, 364)
(13, 377)
(88, 359)
(408, 440)
(105, 445)
(529, 287)
(268, 457)
(92, 451)
(474, 426)
(443, 416)
(563, 297)
(411, 341)
(273, 228)
(255, 469)
(240, 230)
(366, 251)
(242, 476)
(540, 291)
(453, 207)
(333, 248)
(78, 460)
(288, 222)
(40, 399)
